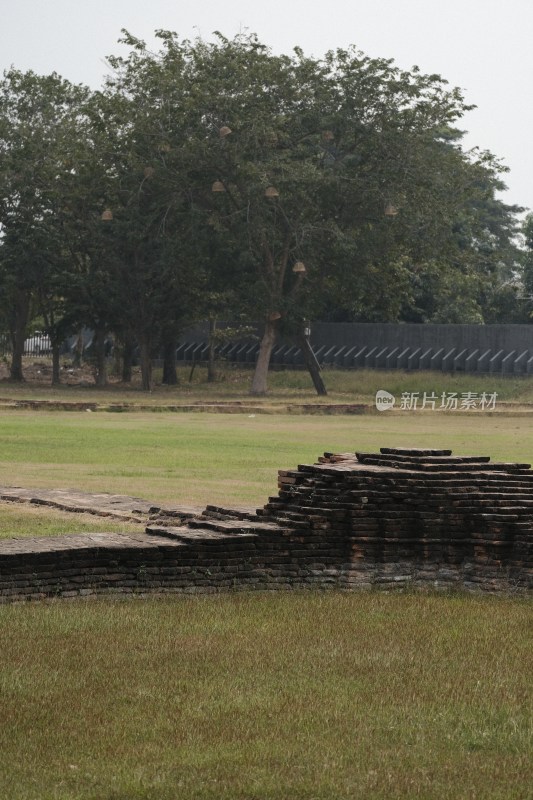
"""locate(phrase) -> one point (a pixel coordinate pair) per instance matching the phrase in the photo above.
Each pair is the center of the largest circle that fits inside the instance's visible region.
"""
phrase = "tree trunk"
(259, 382)
(146, 364)
(99, 357)
(56, 378)
(18, 324)
(127, 359)
(170, 376)
(211, 367)
(77, 355)
(312, 365)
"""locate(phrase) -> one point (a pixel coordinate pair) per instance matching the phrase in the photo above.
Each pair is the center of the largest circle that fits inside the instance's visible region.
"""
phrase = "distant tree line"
(217, 180)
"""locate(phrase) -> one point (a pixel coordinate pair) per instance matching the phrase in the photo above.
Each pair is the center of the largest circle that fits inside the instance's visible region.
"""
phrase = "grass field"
(311, 697)
(356, 386)
(198, 458)
(319, 696)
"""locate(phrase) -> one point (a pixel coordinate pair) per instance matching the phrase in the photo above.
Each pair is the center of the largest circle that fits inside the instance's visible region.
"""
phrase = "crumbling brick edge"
(397, 519)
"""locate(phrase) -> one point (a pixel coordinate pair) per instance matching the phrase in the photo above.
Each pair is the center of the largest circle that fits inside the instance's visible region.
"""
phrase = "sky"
(482, 46)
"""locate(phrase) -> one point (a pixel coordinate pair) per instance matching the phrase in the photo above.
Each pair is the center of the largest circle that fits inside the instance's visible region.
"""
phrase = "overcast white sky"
(483, 46)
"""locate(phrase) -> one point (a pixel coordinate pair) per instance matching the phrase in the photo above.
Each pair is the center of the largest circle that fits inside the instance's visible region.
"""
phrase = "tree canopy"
(218, 179)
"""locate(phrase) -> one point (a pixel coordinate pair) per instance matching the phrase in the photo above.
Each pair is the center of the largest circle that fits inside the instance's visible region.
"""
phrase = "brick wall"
(396, 518)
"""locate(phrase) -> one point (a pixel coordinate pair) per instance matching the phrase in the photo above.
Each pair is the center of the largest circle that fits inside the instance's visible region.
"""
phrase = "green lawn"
(198, 458)
(203, 458)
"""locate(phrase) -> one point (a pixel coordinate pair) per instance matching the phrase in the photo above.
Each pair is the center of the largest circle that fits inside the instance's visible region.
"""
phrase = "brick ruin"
(397, 518)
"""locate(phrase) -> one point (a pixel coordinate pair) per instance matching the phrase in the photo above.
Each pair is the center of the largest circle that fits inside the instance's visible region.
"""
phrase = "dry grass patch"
(311, 696)
(344, 385)
(22, 520)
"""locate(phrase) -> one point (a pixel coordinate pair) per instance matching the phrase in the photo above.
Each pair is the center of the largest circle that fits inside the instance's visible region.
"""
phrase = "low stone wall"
(392, 519)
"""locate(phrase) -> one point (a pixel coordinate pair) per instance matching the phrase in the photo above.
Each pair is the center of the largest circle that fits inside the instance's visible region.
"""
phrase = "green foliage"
(41, 123)
(220, 166)
(527, 233)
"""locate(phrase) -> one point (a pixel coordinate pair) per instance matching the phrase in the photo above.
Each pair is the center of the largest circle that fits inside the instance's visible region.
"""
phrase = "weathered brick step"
(196, 534)
(458, 466)
(397, 495)
(393, 477)
(406, 507)
(346, 491)
(229, 513)
(292, 514)
(327, 495)
(513, 503)
(175, 513)
(474, 506)
(66, 545)
(455, 498)
(403, 459)
(233, 526)
(100, 504)
(332, 458)
(431, 541)
(444, 513)
(431, 483)
(294, 524)
(414, 451)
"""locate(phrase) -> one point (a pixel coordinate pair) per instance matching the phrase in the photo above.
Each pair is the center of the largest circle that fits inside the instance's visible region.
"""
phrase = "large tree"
(338, 176)
(219, 179)
(158, 236)
(39, 128)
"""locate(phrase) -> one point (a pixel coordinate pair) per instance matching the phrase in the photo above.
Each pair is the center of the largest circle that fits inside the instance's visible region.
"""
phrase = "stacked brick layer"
(394, 518)
(422, 514)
